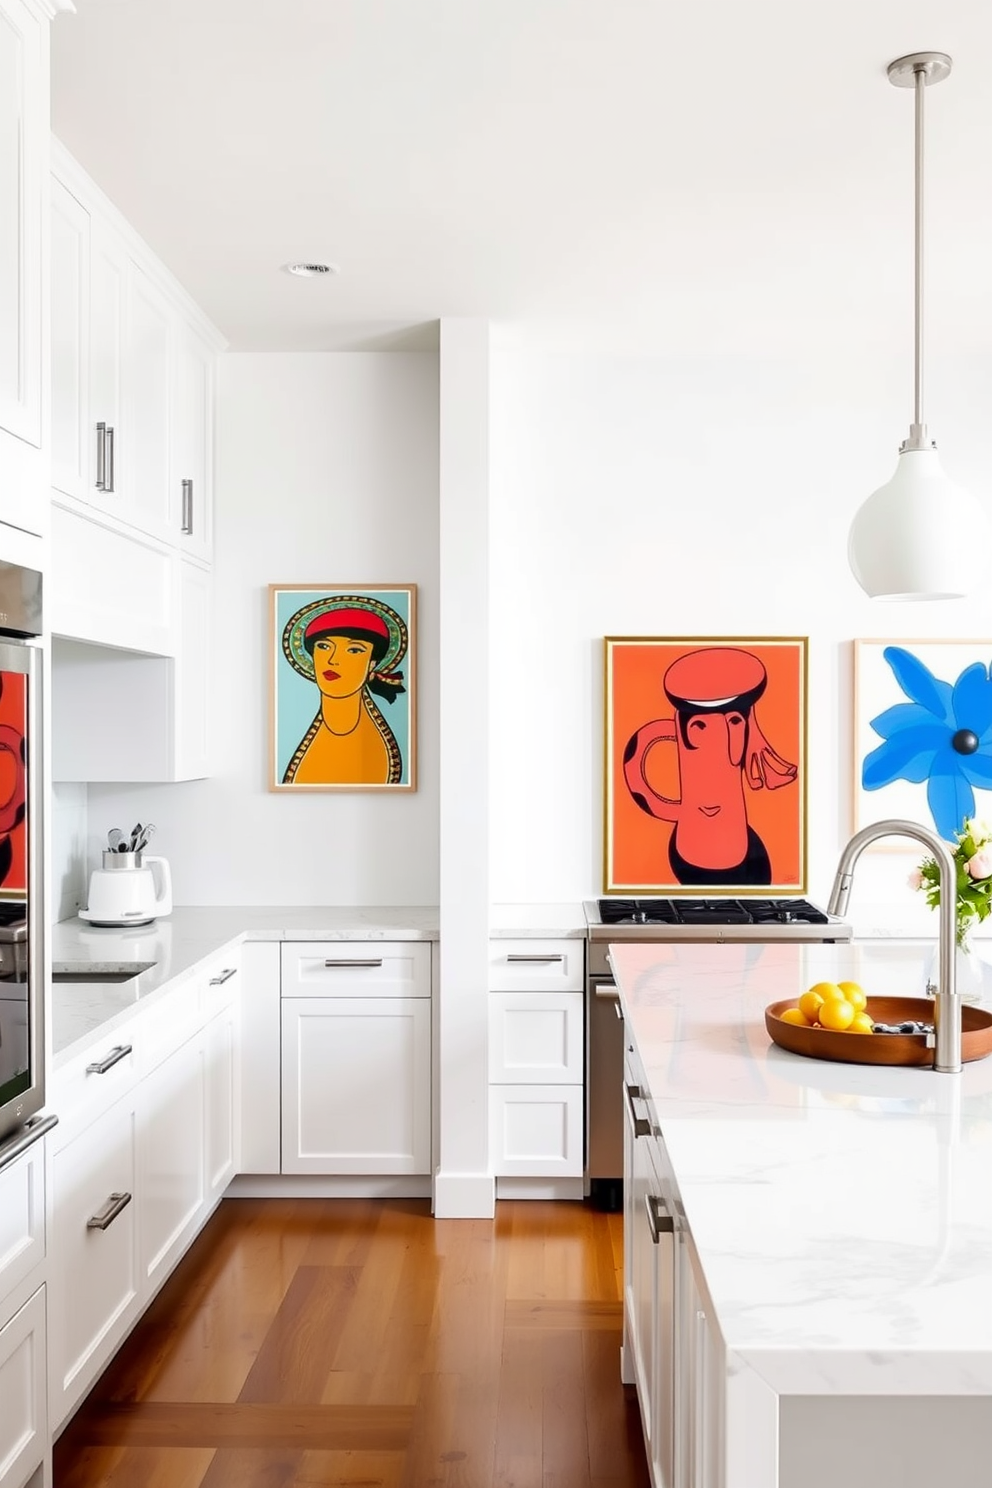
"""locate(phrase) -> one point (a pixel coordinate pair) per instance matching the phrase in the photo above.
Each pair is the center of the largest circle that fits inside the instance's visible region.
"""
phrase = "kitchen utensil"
(129, 890)
(146, 835)
(135, 834)
(114, 838)
(880, 1048)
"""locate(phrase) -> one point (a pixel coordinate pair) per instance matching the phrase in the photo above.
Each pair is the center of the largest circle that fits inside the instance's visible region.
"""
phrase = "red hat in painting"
(343, 618)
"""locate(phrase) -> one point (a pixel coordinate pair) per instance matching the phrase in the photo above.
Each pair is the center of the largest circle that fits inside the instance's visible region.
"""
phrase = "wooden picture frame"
(922, 733)
(705, 764)
(349, 724)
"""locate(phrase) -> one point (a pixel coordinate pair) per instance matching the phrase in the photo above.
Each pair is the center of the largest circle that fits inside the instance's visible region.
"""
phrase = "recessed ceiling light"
(311, 268)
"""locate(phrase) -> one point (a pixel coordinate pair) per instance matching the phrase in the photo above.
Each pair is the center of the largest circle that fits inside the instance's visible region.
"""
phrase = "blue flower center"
(964, 741)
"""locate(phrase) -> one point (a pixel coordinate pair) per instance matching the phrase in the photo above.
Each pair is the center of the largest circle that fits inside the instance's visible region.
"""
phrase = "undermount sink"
(86, 973)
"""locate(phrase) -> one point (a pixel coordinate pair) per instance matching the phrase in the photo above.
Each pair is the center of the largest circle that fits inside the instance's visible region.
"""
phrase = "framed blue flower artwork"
(923, 732)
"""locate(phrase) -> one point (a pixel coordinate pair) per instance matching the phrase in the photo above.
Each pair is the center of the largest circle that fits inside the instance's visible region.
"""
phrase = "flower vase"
(969, 970)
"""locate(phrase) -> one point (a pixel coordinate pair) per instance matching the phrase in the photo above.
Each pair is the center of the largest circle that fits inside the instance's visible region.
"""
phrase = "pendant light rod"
(917, 71)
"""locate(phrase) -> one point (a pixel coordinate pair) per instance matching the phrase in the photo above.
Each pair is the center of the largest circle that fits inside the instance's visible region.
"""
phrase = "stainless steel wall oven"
(22, 991)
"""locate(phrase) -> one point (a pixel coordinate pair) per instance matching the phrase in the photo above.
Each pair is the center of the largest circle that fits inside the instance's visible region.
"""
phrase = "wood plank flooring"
(348, 1343)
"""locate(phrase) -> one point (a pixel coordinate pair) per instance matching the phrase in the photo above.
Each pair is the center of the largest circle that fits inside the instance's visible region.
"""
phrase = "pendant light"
(920, 536)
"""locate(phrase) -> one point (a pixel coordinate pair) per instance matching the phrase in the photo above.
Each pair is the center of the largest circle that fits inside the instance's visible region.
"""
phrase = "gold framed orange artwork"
(343, 687)
(705, 765)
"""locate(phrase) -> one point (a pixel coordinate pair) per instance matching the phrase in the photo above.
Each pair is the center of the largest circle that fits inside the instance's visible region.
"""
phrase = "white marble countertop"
(537, 921)
(842, 1214)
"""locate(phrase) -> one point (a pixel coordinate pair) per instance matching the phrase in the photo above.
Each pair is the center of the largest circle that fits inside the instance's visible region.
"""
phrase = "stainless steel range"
(659, 919)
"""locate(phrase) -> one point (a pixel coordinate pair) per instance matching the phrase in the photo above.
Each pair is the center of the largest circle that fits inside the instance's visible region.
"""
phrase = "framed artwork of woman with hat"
(343, 696)
(705, 765)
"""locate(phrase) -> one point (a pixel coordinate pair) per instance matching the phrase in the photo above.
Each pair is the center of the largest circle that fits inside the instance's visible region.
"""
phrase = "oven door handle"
(604, 989)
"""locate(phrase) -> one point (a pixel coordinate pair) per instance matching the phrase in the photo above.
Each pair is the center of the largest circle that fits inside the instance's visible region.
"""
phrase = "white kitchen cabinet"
(356, 1058)
(165, 700)
(23, 261)
(536, 1060)
(171, 1159)
(193, 453)
(94, 1277)
(222, 1071)
(261, 1074)
(70, 339)
(23, 1400)
(146, 452)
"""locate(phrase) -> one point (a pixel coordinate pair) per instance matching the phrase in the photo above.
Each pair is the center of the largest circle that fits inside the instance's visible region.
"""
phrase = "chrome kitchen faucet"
(947, 1010)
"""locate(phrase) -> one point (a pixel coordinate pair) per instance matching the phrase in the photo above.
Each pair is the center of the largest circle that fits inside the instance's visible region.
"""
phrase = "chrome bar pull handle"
(536, 960)
(348, 961)
(640, 1124)
(224, 976)
(114, 1057)
(187, 516)
(101, 457)
(109, 461)
(660, 1222)
(105, 1217)
(25, 1137)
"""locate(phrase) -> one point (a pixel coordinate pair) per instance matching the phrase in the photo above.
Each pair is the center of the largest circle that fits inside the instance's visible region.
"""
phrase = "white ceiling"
(680, 176)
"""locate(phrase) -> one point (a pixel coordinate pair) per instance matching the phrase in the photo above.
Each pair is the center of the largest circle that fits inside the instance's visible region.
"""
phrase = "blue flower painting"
(938, 735)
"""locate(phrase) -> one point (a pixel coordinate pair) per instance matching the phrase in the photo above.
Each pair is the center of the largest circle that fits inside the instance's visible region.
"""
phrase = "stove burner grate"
(710, 912)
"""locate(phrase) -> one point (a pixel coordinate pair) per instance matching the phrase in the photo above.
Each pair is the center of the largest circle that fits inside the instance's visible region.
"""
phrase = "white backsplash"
(69, 857)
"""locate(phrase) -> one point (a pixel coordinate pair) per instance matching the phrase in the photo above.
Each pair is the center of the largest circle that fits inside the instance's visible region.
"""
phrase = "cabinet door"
(171, 1145)
(93, 1280)
(535, 1131)
(356, 1085)
(23, 1410)
(70, 314)
(192, 482)
(700, 1383)
(22, 156)
(223, 1101)
(106, 441)
(535, 1038)
(148, 406)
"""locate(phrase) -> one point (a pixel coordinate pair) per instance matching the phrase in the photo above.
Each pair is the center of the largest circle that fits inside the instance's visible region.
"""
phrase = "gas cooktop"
(717, 919)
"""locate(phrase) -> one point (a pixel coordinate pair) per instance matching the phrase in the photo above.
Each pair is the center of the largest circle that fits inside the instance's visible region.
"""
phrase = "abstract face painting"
(343, 714)
(705, 765)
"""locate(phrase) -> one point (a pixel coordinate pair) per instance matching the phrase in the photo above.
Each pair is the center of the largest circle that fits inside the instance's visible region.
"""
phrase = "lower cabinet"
(23, 1409)
(356, 1058)
(536, 1059)
(171, 1143)
(94, 1276)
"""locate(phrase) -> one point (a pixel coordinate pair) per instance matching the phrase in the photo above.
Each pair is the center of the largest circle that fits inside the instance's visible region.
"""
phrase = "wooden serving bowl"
(880, 1048)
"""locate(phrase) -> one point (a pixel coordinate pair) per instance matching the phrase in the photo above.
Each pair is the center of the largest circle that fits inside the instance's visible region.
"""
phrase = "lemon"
(861, 1023)
(826, 990)
(855, 995)
(810, 1004)
(795, 1015)
(837, 1014)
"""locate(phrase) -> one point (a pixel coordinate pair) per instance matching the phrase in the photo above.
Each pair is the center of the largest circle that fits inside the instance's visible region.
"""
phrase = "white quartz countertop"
(842, 1214)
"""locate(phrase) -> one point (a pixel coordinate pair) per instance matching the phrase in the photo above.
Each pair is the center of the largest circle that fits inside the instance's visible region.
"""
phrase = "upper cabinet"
(23, 188)
(133, 375)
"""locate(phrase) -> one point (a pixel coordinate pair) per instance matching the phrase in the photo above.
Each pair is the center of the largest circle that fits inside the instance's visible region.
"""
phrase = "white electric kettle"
(130, 889)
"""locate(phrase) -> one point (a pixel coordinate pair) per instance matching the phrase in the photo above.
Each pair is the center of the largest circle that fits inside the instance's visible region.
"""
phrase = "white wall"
(645, 497)
(327, 473)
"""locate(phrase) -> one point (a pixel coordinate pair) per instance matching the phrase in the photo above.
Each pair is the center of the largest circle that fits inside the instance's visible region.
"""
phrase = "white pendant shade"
(920, 536)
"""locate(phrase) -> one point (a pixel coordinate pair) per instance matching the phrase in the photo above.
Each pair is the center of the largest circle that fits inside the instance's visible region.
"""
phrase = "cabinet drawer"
(22, 1219)
(23, 1411)
(536, 1130)
(94, 1273)
(90, 1083)
(365, 968)
(536, 965)
(535, 1038)
(168, 1024)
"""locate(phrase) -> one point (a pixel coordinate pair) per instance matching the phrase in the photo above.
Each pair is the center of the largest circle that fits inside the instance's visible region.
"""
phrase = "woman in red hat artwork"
(700, 768)
(350, 647)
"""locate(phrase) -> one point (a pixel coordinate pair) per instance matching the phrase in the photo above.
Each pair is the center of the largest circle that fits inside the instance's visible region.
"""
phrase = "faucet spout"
(947, 1009)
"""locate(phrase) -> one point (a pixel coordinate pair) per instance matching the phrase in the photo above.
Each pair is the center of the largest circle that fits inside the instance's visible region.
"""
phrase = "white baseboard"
(309, 1186)
(540, 1188)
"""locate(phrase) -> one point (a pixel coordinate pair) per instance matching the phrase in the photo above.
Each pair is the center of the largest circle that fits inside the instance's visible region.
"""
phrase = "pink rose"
(915, 879)
(980, 866)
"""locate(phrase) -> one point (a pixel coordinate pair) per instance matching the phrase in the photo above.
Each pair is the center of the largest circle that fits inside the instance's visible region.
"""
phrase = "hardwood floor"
(351, 1342)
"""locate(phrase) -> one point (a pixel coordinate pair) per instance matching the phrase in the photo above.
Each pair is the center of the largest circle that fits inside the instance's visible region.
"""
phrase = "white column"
(463, 1185)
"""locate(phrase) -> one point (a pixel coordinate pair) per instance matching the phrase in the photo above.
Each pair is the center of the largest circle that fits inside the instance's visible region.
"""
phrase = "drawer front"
(536, 1038)
(22, 1219)
(94, 1272)
(23, 1409)
(365, 968)
(535, 1131)
(169, 1023)
(536, 965)
(80, 1091)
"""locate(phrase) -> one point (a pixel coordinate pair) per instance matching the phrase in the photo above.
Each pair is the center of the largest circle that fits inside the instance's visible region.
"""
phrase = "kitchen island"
(809, 1272)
